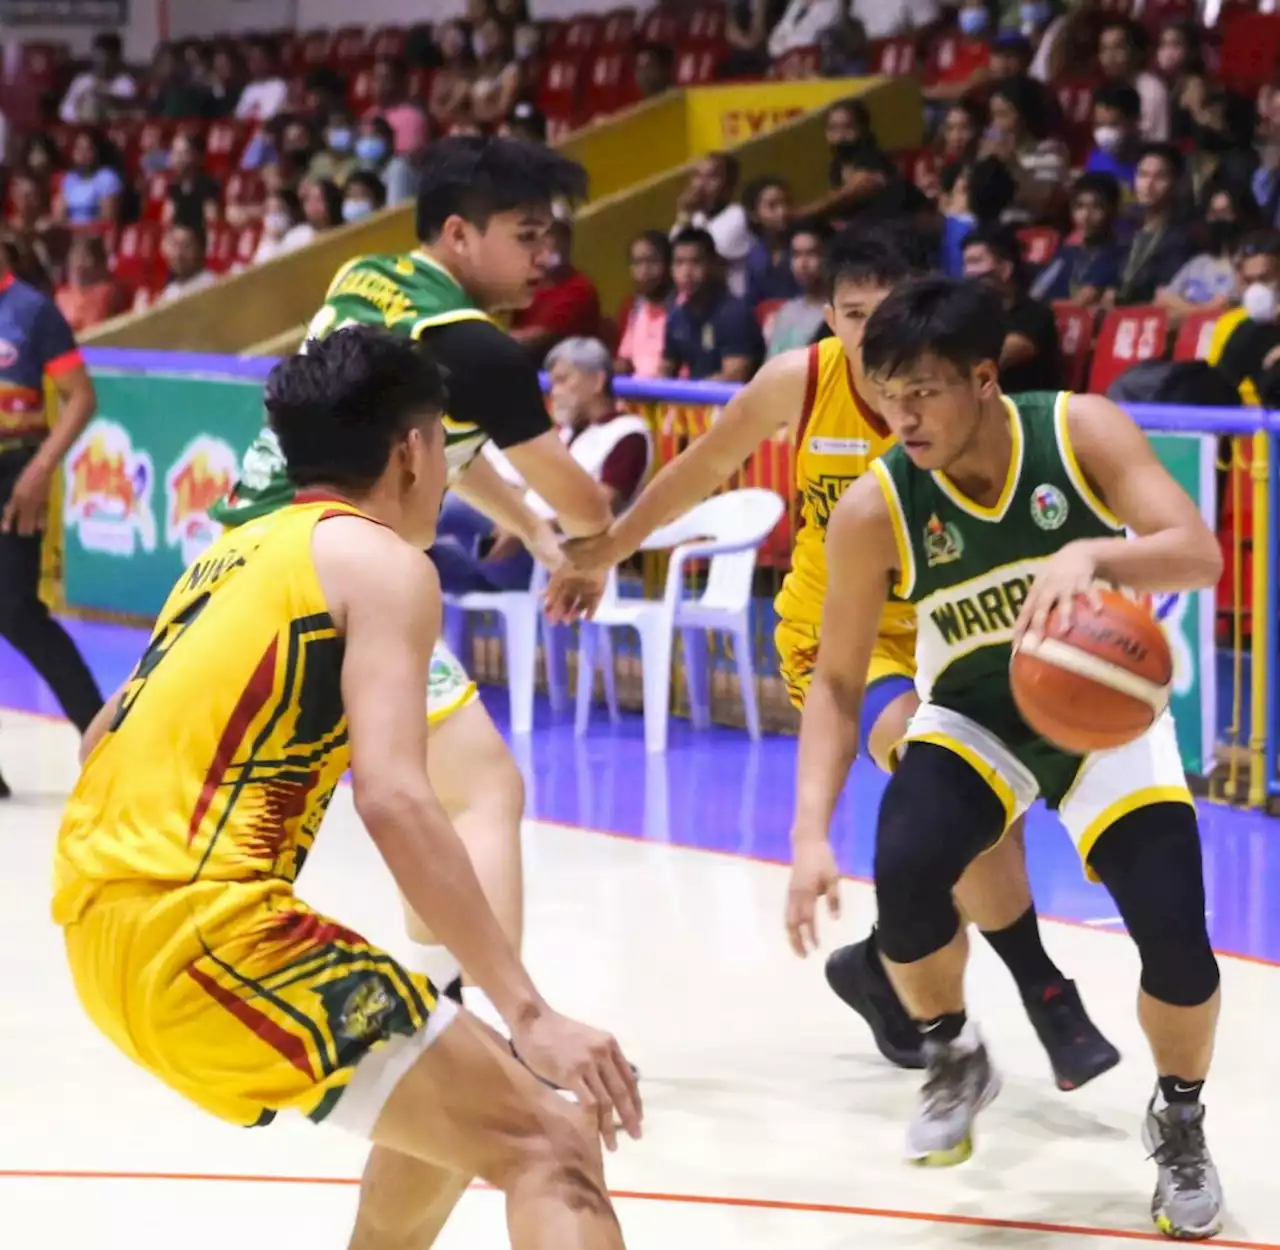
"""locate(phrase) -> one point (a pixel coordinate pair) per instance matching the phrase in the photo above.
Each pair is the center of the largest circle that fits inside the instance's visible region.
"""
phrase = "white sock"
(969, 1040)
(477, 1002)
(434, 962)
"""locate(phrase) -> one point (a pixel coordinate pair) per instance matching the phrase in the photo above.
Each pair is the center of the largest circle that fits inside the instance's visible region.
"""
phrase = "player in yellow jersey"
(295, 649)
(817, 393)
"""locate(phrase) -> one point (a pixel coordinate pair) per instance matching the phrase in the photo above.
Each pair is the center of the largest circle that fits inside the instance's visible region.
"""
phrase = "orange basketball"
(1099, 684)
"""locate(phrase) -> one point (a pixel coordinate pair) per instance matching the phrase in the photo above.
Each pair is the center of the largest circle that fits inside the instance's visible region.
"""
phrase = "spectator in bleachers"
(324, 91)
(338, 158)
(194, 193)
(1266, 179)
(1162, 244)
(266, 92)
(885, 19)
(28, 205)
(1019, 136)
(321, 204)
(90, 295)
(1122, 50)
(980, 197)
(961, 130)
(566, 303)
(42, 159)
(1043, 23)
(283, 227)
(1031, 358)
(654, 70)
(859, 174)
(104, 89)
(801, 25)
(498, 81)
(712, 335)
(451, 87)
(171, 92)
(184, 249)
(227, 81)
(512, 10)
(746, 30)
(799, 320)
(26, 263)
(1208, 282)
(1088, 265)
(707, 203)
(364, 194)
(391, 101)
(643, 317)
(526, 122)
(1245, 343)
(91, 189)
(768, 205)
(1179, 63)
(375, 154)
(1116, 142)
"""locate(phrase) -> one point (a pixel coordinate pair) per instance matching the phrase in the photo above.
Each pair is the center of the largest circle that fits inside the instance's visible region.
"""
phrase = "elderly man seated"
(471, 553)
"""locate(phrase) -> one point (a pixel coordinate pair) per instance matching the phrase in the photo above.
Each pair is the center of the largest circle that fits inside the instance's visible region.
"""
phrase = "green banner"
(140, 480)
(1188, 619)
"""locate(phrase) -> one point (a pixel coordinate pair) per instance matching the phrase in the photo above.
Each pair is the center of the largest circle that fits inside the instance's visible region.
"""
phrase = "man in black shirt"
(1032, 357)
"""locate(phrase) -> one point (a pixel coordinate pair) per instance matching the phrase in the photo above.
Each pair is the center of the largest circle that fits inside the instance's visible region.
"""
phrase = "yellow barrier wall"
(633, 146)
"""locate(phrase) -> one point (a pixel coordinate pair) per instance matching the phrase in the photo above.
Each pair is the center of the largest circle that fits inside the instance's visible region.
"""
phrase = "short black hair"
(659, 240)
(959, 321)
(883, 254)
(370, 182)
(475, 178)
(1000, 241)
(992, 189)
(693, 236)
(755, 189)
(339, 407)
(1167, 152)
(1105, 186)
(1119, 96)
(108, 43)
(813, 226)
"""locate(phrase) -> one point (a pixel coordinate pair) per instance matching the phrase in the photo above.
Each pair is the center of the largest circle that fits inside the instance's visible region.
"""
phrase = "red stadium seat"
(246, 243)
(619, 28)
(610, 85)
(1250, 48)
(349, 45)
(696, 65)
(558, 94)
(893, 56)
(245, 187)
(155, 193)
(137, 254)
(706, 28)
(955, 58)
(1194, 336)
(766, 312)
(1039, 243)
(583, 35)
(387, 41)
(1075, 336)
(1128, 336)
(316, 48)
(797, 64)
(220, 249)
(661, 26)
(224, 144)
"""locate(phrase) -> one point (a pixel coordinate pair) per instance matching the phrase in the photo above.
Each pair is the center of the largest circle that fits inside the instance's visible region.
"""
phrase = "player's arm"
(1171, 549)
(862, 557)
(774, 397)
(482, 487)
(100, 724)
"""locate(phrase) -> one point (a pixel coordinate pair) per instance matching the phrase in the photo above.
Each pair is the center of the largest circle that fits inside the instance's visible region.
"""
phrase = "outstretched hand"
(572, 594)
(598, 553)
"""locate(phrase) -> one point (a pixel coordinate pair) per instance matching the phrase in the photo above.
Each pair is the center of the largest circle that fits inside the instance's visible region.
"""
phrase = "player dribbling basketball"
(989, 513)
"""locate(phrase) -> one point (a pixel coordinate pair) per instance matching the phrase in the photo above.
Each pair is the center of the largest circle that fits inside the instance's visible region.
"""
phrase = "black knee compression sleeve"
(936, 817)
(1150, 862)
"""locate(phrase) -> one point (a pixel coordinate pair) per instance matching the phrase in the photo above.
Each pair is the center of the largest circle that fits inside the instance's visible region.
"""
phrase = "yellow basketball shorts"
(244, 1000)
(448, 685)
(891, 673)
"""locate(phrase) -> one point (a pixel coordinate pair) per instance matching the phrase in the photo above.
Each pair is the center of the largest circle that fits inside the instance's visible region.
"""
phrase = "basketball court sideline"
(771, 1121)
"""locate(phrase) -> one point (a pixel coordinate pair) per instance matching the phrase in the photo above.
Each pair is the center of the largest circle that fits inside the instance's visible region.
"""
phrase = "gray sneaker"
(957, 1085)
(1187, 1203)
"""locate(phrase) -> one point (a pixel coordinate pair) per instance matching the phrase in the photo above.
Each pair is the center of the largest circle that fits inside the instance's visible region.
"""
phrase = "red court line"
(699, 1200)
(1260, 960)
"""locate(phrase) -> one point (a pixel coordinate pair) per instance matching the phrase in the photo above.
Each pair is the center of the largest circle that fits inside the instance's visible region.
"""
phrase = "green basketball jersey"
(967, 568)
(405, 294)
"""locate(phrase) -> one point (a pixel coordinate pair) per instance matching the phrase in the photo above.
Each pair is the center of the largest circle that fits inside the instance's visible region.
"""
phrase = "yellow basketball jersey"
(837, 439)
(230, 736)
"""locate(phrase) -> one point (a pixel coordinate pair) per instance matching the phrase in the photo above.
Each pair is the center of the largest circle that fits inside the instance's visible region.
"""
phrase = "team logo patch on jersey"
(8, 354)
(365, 1010)
(942, 543)
(1048, 507)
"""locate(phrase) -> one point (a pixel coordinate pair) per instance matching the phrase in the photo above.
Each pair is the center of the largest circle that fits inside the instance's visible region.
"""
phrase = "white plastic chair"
(729, 529)
(520, 610)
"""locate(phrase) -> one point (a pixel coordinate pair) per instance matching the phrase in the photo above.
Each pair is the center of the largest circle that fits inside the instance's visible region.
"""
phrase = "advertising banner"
(139, 482)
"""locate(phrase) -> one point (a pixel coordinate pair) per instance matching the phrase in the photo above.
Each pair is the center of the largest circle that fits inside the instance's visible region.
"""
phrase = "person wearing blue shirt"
(1117, 110)
(91, 190)
(768, 205)
(711, 335)
(1085, 270)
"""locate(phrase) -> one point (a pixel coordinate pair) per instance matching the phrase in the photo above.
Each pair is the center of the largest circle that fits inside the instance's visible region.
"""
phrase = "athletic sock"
(1174, 1090)
(434, 962)
(946, 1028)
(1024, 954)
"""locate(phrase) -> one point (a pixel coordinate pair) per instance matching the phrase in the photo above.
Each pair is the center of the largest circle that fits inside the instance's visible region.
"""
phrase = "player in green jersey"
(483, 212)
(990, 512)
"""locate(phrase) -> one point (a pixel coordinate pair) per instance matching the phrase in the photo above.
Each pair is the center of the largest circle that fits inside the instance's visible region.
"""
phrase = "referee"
(36, 343)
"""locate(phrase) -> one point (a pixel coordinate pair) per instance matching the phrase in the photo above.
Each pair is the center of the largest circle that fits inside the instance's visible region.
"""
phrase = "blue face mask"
(371, 149)
(355, 210)
(1035, 14)
(973, 21)
(340, 139)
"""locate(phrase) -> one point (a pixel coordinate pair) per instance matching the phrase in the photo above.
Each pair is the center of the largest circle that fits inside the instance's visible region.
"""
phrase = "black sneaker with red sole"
(1077, 1050)
(859, 980)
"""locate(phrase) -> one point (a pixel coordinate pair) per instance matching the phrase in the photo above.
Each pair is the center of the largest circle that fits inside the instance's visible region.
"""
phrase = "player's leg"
(404, 1202)
(1135, 824)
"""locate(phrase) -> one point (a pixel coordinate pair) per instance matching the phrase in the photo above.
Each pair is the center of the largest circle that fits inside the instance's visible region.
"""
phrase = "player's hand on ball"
(1067, 573)
(814, 876)
(588, 1063)
(572, 594)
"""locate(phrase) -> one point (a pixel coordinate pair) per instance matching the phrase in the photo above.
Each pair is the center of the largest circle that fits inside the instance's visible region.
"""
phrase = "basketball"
(1100, 683)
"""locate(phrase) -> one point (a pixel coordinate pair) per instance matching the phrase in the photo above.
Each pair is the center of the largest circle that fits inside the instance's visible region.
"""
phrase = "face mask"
(354, 210)
(1108, 138)
(1034, 15)
(276, 224)
(973, 21)
(371, 149)
(1259, 302)
(340, 139)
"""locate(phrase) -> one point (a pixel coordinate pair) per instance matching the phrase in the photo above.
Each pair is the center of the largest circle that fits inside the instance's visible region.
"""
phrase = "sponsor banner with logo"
(1188, 619)
(723, 116)
(139, 482)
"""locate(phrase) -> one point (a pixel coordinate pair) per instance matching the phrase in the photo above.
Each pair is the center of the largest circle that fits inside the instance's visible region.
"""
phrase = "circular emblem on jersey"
(8, 354)
(1048, 507)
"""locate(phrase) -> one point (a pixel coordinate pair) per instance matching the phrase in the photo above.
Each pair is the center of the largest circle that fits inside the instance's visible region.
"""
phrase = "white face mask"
(276, 224)
(1259, 302)
(1108, 138)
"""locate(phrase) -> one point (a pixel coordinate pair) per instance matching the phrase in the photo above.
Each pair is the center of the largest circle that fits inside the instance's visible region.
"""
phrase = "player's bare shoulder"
(779, 389)
(862, 524)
